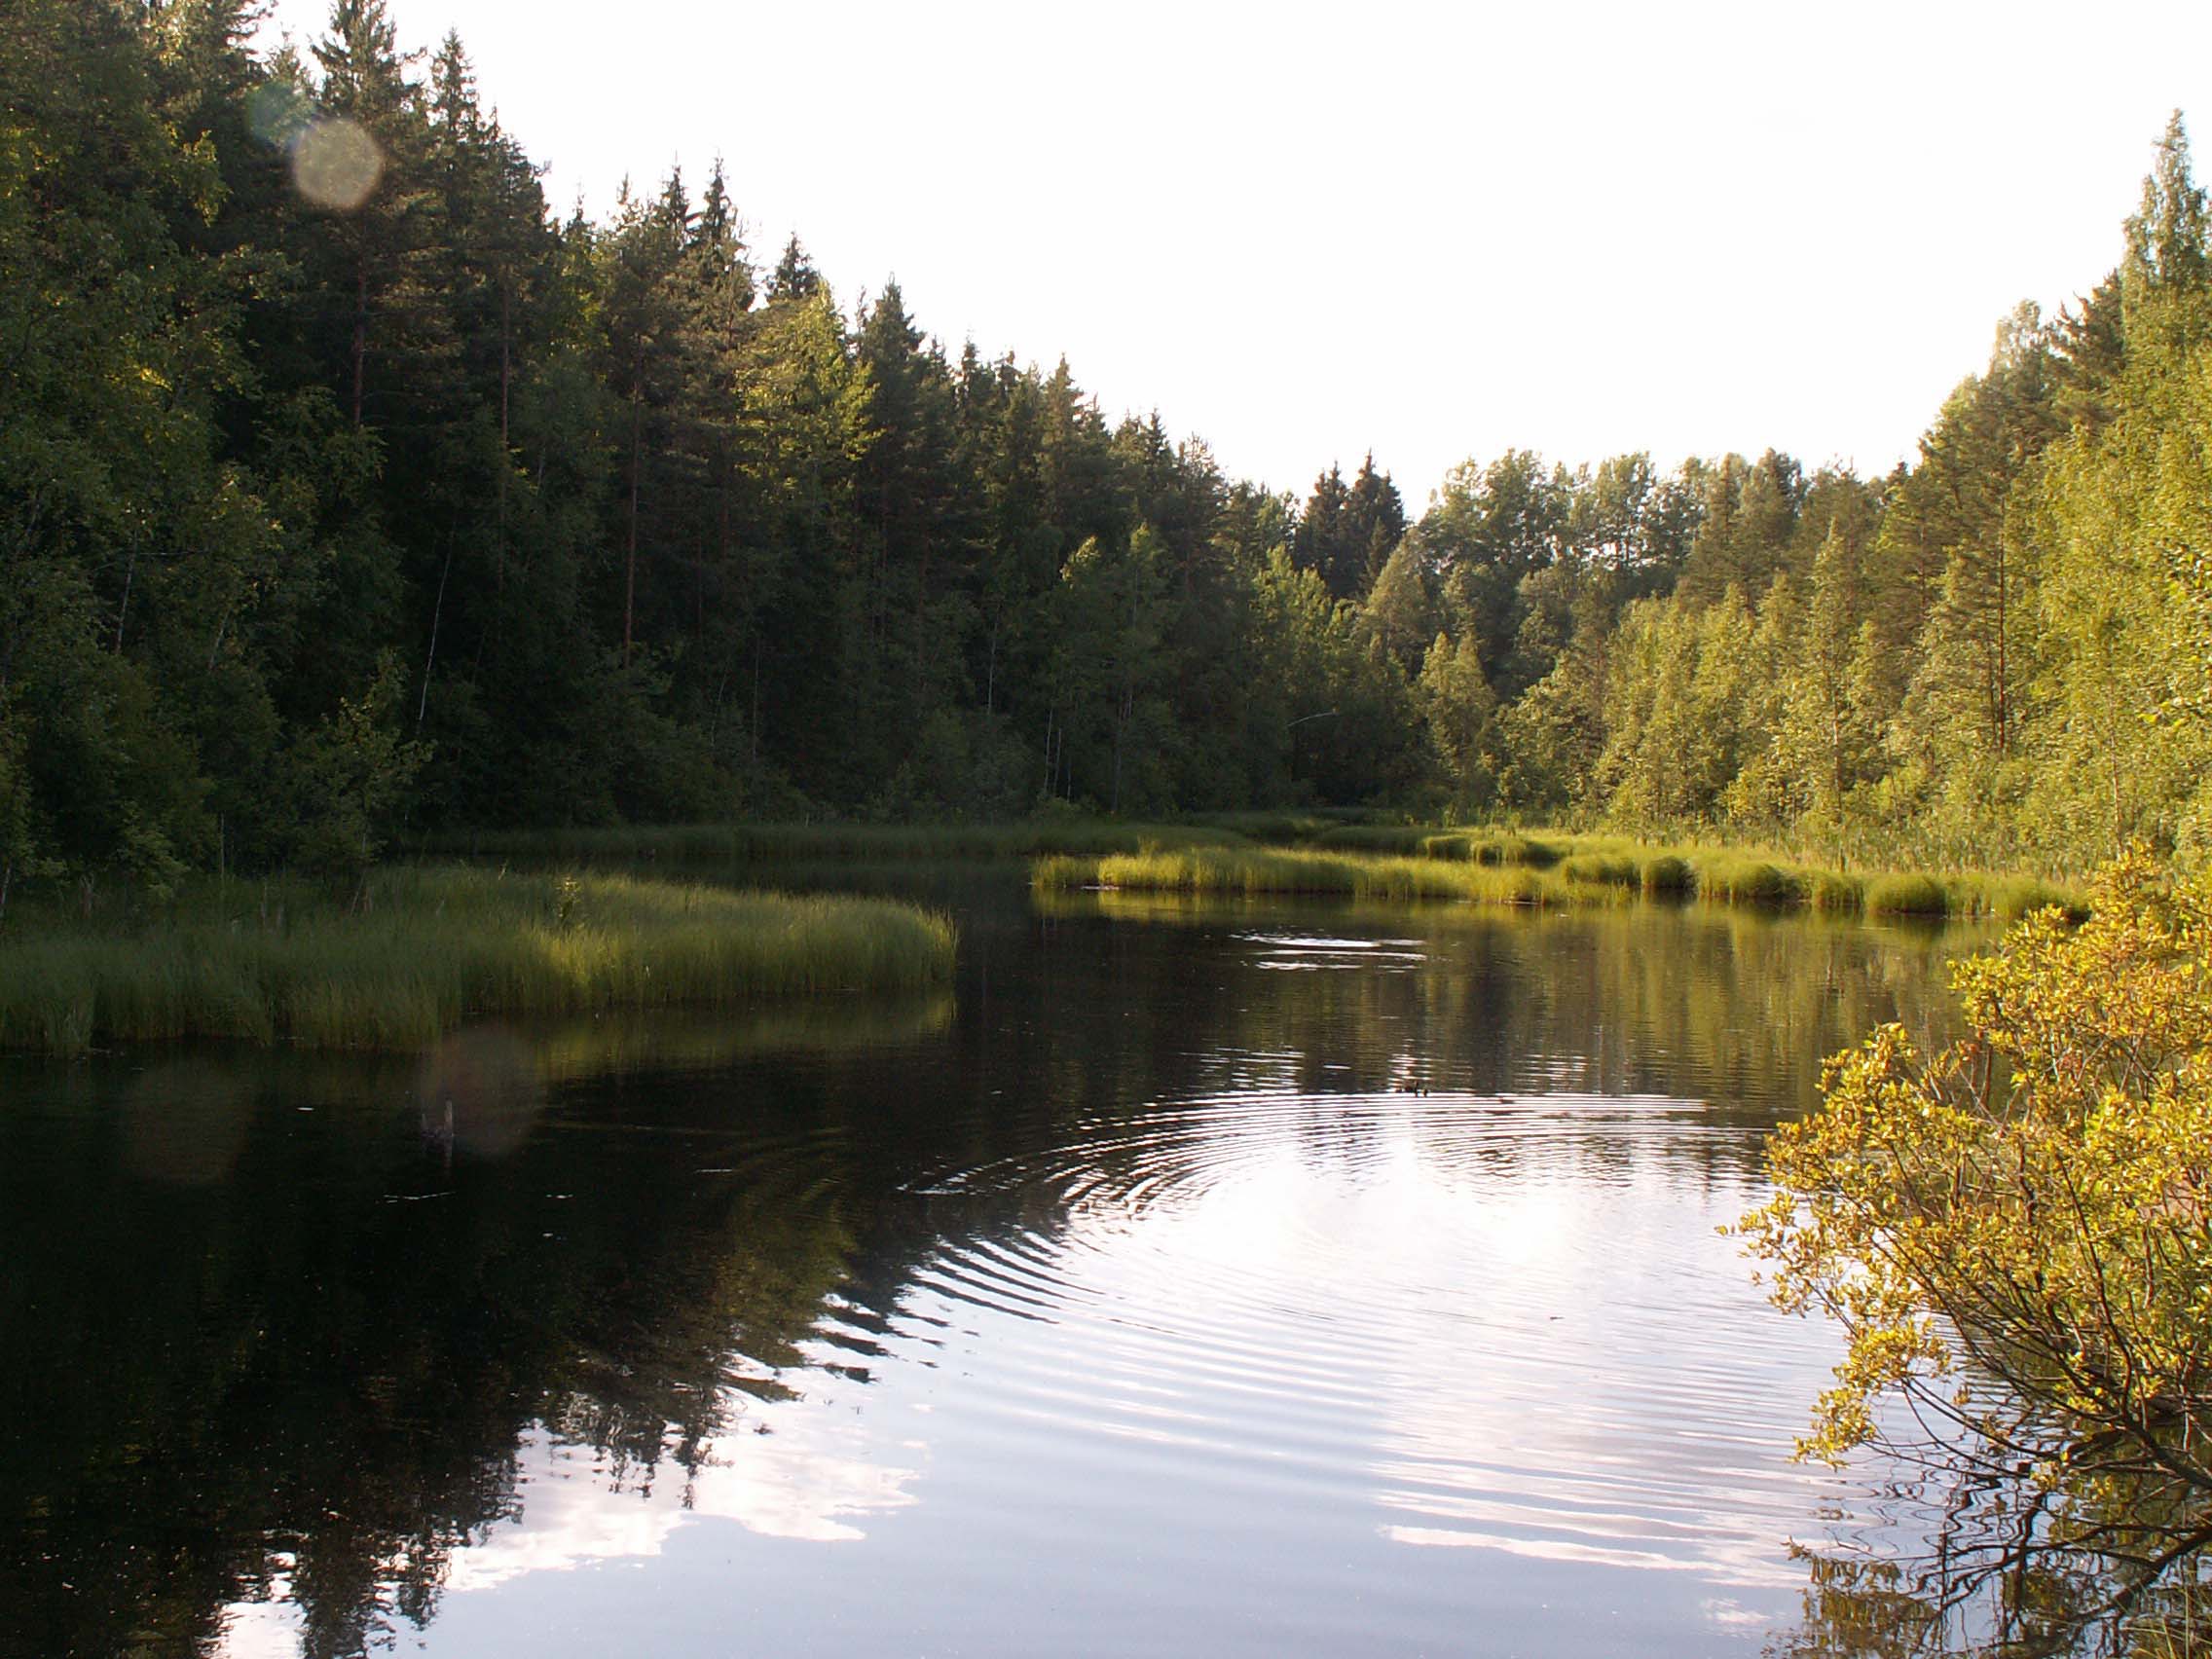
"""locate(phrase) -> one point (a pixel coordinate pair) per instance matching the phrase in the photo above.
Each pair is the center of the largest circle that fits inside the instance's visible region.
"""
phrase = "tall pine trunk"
(630, 566)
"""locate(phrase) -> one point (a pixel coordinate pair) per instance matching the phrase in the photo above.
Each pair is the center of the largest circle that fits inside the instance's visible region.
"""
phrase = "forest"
(348, 492)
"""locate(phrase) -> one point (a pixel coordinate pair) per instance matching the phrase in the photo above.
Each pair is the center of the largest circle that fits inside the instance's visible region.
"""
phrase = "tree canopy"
(318, 420)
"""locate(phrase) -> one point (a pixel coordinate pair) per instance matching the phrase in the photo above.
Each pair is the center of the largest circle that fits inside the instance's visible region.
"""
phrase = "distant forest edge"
(345, 492)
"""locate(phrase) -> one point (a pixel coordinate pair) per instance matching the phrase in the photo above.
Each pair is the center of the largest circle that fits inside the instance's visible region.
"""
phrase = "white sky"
(1302, 232)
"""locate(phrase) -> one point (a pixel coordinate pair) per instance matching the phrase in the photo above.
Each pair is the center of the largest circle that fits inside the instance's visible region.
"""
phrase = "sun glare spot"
(336, 164)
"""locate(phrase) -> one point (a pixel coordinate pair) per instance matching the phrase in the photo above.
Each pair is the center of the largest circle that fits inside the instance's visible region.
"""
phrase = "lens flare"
(336, 164)
(278, 112)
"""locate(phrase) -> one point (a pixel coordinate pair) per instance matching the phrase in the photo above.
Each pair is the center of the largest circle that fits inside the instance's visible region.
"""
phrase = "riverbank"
(424, 949)
(1503, 868)
(706, 844)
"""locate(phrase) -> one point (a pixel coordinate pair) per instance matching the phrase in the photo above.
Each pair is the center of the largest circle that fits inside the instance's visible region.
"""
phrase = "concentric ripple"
(1504, 1323)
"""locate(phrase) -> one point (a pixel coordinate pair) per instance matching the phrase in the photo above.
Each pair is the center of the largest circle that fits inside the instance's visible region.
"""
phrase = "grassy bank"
(1313, 852)
(705, 844)
(427, 948)
(1390, 863)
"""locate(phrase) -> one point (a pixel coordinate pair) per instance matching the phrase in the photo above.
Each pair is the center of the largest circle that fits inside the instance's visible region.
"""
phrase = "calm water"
(1247, 1281)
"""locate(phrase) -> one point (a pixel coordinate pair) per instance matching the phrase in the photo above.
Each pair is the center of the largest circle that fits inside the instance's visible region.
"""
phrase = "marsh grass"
(1490, 867)
(1907, 895)
(424, 949)
(1313, 851)
(1470, 846)
(1239, 870)
(1604, 870)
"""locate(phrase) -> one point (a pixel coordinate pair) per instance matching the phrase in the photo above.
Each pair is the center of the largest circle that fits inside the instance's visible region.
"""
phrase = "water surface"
(1241, 1280)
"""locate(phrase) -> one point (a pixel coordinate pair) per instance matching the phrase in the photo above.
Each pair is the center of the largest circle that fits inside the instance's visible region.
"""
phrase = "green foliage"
(353, 775)
(2029, 1207)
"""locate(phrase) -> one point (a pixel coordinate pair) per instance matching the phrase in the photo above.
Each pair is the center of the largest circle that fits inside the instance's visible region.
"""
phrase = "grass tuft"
(1907, 895)
(1731, 879)
(1604, 869)
(1833, 893)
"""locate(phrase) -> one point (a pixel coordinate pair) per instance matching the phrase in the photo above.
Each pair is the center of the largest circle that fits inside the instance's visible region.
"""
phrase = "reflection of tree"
(2023, 1573)
(1727, 1007)
(313, 1378)
(2035, 1553)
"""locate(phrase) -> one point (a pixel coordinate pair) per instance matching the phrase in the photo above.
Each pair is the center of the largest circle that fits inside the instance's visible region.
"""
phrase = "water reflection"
(2028, 1561)
(1157, 1292)
(1495, 1292)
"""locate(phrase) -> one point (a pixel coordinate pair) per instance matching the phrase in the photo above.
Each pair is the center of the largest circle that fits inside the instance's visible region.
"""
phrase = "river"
(1270, 1279)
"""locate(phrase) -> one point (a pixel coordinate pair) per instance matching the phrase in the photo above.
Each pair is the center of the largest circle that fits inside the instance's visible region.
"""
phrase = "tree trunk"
(506, 454)
(2004, 690)
(437, 614)
(360, 336)
(630, 568)
(1121, 716)
(130, 571)
(753, 726)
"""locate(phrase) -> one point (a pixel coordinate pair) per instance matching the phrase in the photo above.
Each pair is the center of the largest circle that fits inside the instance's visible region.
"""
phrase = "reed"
(424, 949)
(1604, 870)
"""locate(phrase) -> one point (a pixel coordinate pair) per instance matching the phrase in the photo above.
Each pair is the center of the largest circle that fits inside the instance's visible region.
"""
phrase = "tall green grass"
(1520, 871)
(426, 948)
(1472, 846)
(1243, 870)
(1723, 874)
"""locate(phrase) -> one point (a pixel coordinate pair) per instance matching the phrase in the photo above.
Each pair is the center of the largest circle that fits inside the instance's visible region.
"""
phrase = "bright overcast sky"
(1436, 232)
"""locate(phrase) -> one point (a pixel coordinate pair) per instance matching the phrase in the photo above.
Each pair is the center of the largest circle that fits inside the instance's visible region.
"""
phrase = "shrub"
(2012, 1233)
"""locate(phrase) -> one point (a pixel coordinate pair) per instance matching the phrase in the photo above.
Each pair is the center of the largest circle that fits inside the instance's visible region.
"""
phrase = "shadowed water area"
(1223, 1279)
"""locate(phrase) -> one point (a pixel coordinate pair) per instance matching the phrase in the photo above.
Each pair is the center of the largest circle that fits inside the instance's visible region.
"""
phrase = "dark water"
(1279, 1280)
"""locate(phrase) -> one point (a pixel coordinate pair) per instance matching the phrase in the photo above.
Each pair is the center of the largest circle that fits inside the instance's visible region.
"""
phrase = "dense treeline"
(343, 486)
